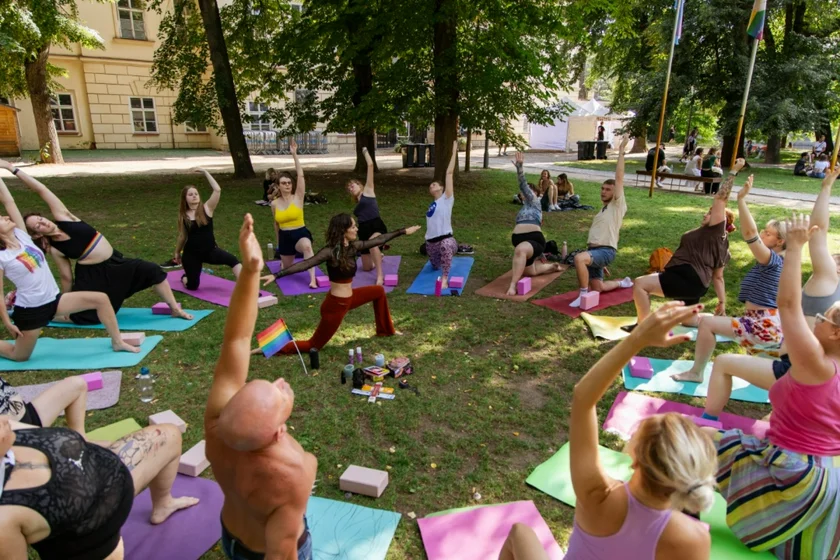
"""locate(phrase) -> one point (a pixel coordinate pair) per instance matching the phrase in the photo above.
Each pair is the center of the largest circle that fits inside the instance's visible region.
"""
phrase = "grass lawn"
(495, 377)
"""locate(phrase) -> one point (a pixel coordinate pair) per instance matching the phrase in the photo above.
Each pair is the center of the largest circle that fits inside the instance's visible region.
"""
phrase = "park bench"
(676, 180)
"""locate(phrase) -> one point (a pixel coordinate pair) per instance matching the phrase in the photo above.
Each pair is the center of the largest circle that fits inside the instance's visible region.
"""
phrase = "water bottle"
(565, 252)
(359, 356)
(438, 286)
(145, 387)
(350, 357)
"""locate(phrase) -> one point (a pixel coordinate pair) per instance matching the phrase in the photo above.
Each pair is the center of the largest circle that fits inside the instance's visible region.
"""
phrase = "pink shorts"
(759, 331)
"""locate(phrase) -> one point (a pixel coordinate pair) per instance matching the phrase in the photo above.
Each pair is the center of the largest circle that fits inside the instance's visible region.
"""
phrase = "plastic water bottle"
(438, 286)
(350, 357)
(359, 356)
(565, 252)
(145, 387)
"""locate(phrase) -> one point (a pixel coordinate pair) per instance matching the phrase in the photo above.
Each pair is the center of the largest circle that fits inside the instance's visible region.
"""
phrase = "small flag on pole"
(679, 5)
(756, 27)
(274, 338)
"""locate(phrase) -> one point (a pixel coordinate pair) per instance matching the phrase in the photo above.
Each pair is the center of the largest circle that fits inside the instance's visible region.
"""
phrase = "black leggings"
(192, 262)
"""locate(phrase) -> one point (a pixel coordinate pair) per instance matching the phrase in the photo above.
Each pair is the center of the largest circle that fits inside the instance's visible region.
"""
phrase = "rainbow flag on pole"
(679, 5)
(274, 338)
(756, 27)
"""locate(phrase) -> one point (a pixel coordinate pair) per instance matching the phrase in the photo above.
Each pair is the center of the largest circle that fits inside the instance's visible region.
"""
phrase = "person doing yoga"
(340, 254)
(527, 238)
(196, 241)
(265, 475)
(602, 243)
(783, 491)
(37, 299)
(698, 261)
(370, 223)
(68, 395)
(99, 267)
(440, 243)
(293, 236)
(68, 498)
(759, 329)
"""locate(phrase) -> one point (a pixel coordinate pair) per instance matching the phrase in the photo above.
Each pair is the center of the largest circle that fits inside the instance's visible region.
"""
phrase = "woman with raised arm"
(340, 253)
(99, 267)
(370, 223)
(196, 240)
(293, 236)
(440, 242)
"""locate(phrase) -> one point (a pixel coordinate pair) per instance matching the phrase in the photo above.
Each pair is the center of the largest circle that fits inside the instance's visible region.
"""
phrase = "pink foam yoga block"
(590, 300)
(193, 462)
(456, 282)
(523, 286)
(391, 279)
(704, 422)
(323, 281)
(361, 480)
(133, 338)
(94, 380)
(161, 308)
(168, 417)
(640, 367)
(266, 301)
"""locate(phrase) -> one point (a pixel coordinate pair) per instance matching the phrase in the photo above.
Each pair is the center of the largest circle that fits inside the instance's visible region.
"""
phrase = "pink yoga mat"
(607, 299)
(629, 409)
(212, 288)
(186, 535)
(105, 397)
(479, 534)
(298, 284)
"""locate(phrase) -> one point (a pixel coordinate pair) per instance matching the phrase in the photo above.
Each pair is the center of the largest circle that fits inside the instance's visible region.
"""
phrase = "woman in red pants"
(340, 253)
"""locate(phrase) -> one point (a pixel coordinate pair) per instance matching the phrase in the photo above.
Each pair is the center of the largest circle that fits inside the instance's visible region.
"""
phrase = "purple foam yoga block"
(590, 300)
(168, 417)
(456, 282)
(640, 367)
(523, 286)
(94, 380)
(323, 281)
(194, 461)
(391, 279)
(361, 480)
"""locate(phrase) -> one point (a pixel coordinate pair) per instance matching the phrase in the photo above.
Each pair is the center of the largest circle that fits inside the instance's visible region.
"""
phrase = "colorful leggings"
(335, 308)
(441, 253)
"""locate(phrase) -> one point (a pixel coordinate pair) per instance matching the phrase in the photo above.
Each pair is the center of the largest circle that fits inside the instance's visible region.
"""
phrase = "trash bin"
(586, 150)
(601, 149)
(408, 159)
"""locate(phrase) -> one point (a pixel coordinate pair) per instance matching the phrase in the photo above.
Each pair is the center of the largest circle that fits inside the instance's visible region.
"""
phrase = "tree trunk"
(365, 140)
(486, 162)
(226, 90)
(37, 84)
(363, 78)
(446, 88)
(469, 147)
(773, 152)
(639, 144)
(726, 149)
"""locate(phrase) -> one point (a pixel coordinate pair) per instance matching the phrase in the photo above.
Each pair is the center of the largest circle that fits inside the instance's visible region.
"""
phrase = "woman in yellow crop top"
(293, 237)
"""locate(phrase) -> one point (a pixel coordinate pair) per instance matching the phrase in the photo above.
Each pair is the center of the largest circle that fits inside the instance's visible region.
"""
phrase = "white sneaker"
(575, 303)
(626, 283)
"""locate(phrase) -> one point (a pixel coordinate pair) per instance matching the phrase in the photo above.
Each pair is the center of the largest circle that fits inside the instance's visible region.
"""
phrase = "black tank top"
(200, 238)
(86, 500)
(83, 238)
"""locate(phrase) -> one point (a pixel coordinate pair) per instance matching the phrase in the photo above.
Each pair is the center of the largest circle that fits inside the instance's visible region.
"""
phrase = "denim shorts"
(237, 551)
(601, 257)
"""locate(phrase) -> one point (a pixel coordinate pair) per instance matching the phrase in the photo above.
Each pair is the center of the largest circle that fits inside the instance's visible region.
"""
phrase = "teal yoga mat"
(554, 477)
(140, 319)
(79, 353)
(424, 284)
(350, 532)
(661, 382)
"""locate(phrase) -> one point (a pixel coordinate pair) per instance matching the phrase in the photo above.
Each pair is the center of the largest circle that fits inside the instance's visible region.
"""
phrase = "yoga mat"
(105, 397)
(607, 299)
(609, 328)
(142, 319)
(554, 477)
(113, 432)
(349, 532)
(80, 353)
(498, 287)
(187, 534)
(480, 533)
(629, 409)
(213, 288)
(390, 265)
(661, 382)
(296, 284)
(424, 284)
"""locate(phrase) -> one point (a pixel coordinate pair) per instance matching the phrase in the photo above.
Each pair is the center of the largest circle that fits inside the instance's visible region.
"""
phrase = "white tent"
(579, 125)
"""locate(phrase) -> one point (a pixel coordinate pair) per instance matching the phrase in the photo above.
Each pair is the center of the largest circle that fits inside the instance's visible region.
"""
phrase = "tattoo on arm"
(726, 188)
(134, 448)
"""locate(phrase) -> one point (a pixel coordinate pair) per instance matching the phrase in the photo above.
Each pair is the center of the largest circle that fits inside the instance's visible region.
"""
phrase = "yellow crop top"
(291, 217)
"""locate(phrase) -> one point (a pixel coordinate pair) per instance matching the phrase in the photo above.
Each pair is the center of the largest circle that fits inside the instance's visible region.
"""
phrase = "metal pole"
(486, 151)
(737, 143)
(836, 146)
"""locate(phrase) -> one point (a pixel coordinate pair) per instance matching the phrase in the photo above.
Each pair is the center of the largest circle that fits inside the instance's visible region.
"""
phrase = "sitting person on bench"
(662, 166)
(265, 474)
(603, 235)
(694, 166)
(710, 168)
(697, 262)
(759, 330)
(818, 148)
(68, 395)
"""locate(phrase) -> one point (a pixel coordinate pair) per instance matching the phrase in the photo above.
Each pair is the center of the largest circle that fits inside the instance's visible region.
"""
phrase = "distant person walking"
(601, 131)
(672, 134)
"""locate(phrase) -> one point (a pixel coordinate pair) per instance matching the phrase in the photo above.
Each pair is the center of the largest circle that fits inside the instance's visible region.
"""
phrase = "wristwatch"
(15, 171)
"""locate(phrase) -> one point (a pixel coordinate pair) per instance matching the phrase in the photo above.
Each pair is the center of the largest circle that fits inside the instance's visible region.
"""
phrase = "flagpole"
(836, 147)
(677, 17)
(299, 355)
(744, 105)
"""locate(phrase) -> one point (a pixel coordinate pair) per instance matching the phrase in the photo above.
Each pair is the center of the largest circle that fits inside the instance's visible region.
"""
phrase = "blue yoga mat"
(139, 319)
(424, 284)
(350, 532)
(79, 353)
(661, 382)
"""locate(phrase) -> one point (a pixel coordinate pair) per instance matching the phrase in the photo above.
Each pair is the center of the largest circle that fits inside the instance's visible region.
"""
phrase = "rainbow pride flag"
(756, 27)
(274, 338)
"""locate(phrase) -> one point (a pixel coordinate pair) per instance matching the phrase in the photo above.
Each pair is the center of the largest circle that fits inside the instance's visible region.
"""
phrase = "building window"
(62, 112)
(258, 119)
(297, 7)
(143, 114)
(192, 127)
(131, 19)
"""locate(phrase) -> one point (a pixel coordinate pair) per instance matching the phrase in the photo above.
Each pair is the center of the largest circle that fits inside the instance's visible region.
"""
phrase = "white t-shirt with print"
(27, 268)
(439, 217)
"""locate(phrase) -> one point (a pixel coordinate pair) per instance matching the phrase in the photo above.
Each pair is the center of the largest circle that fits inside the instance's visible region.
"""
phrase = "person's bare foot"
(688, 376)
(120, 346)
(380, 281)
(169, 506)
(313, 285)
(444, 285)
(181, 314)
(184, 280)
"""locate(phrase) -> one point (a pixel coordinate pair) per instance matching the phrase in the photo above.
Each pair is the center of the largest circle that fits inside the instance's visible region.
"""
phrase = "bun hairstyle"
(677, 460)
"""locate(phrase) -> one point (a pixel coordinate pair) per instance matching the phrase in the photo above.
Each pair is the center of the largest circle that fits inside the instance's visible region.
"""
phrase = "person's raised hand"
(368, 158)
(799, 231)
(518, 159)
(830, 177)
(293, 146)
(412, 229)
(745, 190)
(656, 329)
(249, 248)
(622, 144)
(739, 165)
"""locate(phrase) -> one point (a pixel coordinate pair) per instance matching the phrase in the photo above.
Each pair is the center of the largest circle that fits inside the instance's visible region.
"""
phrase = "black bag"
(551, 247)
(358, 378)
(570, 258)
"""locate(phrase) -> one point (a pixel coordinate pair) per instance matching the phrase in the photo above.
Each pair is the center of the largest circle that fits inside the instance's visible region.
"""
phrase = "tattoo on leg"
(30, 466)
(137, 447)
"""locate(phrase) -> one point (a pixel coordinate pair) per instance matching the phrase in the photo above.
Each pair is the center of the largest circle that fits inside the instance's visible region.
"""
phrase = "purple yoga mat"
(298, 284)
(630, 408)
(187, 535)
(480, 533)
(105, 397)
(212, 288)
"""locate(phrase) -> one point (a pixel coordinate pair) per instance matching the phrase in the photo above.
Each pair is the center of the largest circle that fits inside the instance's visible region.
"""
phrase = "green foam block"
(113, 432)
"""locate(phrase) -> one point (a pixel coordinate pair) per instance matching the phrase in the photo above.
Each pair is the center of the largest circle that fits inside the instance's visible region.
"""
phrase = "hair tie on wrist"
(15, 171)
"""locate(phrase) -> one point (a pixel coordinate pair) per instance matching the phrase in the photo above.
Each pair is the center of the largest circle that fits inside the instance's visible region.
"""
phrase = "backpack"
(551, 247)
(659, 259)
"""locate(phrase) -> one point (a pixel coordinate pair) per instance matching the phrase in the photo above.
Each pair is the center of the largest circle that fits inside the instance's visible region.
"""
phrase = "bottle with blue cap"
(145, 387)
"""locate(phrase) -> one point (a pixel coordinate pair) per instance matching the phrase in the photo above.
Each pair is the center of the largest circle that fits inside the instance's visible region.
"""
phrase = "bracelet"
(733, 173)
(15, 171)
(753, 240)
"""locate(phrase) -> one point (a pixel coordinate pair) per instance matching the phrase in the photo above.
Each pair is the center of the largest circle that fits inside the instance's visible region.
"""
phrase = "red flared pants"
(335, 308)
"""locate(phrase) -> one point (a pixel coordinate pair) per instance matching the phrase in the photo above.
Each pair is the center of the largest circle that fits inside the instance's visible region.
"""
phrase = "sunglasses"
(823, 319)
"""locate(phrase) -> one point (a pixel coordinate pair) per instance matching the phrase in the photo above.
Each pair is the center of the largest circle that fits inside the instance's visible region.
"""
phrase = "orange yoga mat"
(498, 287)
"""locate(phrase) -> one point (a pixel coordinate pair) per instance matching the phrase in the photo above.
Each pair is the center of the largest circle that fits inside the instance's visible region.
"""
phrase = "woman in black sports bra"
(370, 222)
(340, 254)
(99, 267)
(68, 498)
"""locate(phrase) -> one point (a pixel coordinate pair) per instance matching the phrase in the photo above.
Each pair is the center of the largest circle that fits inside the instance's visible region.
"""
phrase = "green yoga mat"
(554, 477)
(113, 432)
(79, 353)
(142, 319)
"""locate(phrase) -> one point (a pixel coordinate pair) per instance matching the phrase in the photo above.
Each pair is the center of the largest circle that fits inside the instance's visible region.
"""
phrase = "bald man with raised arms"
(265, 475)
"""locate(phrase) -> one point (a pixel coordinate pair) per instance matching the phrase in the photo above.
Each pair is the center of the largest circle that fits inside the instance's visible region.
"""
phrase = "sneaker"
(170, 264)
(262, 203)
(465, 249)
(626, 282)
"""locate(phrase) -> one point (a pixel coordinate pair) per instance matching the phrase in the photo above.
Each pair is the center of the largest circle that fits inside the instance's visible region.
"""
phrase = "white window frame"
(55, 105)
(258, 123)
(195, 129)
(297, 6)
(144, 110)
(134, 14)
